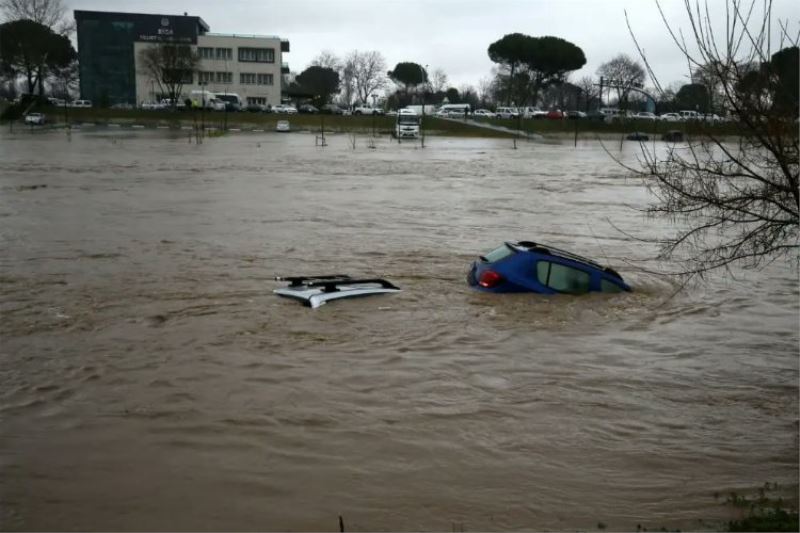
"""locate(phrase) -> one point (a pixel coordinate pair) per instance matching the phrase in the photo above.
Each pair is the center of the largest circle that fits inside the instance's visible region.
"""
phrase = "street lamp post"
(422, 121)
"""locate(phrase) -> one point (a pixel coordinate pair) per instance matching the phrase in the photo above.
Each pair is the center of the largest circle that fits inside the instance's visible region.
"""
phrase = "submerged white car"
(283, 126)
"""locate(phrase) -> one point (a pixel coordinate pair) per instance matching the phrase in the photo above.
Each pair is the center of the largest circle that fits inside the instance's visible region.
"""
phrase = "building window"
(225, 53)
(224, 77)
(178, 76)
(265, 79)
(205, 52)
(257, 55)
(247, 78)
(205, 77)
(256, 100)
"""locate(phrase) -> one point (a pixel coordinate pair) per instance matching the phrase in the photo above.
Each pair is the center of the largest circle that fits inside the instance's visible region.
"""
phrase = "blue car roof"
(545, 249)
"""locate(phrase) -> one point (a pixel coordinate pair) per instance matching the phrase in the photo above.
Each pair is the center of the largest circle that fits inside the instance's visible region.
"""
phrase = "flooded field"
(149, 378)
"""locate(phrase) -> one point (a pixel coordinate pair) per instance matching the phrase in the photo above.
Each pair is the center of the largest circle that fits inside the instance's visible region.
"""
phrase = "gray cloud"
(448, 34)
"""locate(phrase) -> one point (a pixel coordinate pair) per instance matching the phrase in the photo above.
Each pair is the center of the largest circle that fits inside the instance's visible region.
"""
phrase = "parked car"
(645, 115)
(713, 118)
(507, 112)
(332, 109)
(673, 136)
(575, 114)
(670, 117)
(122, 105)
(595, 115)
(483, 113)
(81, 103)
(147, 105)
(638, 136)
(35, 119)
(307, 108)
(284, 109)
(283, 126)
(58, 102)
(527, 266)
(366, 110)
(257, 108)
(555, 114)
(167, 103)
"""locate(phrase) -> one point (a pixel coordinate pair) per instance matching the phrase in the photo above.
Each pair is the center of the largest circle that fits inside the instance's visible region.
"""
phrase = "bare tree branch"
(735, 201)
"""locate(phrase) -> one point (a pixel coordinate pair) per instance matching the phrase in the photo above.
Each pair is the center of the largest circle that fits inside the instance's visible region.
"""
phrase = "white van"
(407, 124)
(208, 99)
(232, 101)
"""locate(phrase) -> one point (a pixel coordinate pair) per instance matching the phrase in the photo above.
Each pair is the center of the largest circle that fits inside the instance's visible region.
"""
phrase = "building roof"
(202, 25)
(244, 36)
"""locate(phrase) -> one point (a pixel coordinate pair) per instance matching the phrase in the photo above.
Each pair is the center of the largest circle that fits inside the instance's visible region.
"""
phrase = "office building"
(110, 44)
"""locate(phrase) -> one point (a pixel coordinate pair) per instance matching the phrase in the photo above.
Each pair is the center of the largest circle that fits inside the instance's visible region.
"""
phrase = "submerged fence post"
(576, 132)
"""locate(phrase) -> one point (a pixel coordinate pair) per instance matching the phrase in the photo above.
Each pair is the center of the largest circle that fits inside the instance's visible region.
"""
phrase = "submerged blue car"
(527, 266)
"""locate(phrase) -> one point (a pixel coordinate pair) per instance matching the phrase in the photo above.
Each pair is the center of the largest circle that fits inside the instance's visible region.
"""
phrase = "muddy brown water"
(149, 379)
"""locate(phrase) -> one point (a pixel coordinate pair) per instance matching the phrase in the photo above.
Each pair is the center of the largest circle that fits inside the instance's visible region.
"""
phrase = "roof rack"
(314, 291)
(296, 281)
(331, 285)
(552, 250)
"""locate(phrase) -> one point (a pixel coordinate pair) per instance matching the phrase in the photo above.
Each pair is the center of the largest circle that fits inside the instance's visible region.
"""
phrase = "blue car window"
(607, 286)
(497, 254)
(543, 271)
(563, 278)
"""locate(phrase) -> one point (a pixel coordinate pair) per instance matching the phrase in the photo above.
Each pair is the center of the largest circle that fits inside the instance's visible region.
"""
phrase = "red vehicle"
(555, 114)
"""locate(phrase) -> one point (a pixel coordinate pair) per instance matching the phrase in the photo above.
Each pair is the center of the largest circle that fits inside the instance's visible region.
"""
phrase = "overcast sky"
(449, 34)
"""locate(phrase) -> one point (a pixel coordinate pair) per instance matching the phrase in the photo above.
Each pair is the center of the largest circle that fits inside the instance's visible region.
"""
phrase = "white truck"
(407, 124)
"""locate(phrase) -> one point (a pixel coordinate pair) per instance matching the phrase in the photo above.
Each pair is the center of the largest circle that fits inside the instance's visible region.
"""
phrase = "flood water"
(149, 378)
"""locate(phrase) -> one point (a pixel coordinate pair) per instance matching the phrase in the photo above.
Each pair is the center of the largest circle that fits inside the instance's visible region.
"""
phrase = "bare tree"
(327, 59)
(171, 66)
(623, 73)
(367, 71)
(589, 90)
(736, 201)
(64, 81)
(438, 80)
(485, 90)
(348, 86)
(50, 13)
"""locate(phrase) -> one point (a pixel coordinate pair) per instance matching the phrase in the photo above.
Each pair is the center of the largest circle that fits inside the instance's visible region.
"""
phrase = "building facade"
(109, 47)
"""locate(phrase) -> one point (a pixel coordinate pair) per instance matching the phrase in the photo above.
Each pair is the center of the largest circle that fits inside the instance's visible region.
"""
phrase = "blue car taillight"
(490, 279)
